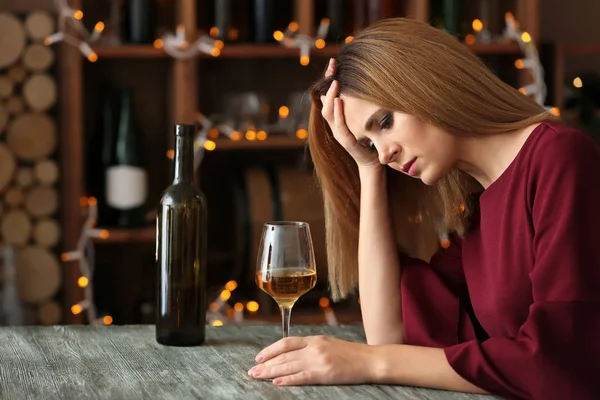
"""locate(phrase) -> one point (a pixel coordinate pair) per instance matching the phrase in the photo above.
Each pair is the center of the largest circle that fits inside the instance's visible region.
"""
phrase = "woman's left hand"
(314, 360)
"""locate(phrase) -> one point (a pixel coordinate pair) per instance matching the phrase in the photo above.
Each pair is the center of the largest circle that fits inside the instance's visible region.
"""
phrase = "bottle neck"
(184, 159)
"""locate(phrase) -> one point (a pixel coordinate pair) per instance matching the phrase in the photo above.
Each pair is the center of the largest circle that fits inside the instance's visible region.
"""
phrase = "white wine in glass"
(285, 267)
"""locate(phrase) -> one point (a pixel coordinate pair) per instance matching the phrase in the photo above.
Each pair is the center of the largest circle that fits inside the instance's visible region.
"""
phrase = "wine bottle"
(97, 162)
(223, 18)
(360, 13)
(452, 17)
(264, 21)
(181, 252)
(126, 179)
(140, 21)
(335, 12)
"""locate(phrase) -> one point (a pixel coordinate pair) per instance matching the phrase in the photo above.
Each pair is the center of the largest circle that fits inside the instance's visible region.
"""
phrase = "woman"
(511, 306)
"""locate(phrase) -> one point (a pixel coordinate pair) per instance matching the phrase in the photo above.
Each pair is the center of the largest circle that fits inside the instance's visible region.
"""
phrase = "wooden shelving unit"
(142, 51)
(229, 51)
(270, 51)
(495, 48)
(141, 235)
(562, 52)
(276, 51)
(184, 99)
(274, 142)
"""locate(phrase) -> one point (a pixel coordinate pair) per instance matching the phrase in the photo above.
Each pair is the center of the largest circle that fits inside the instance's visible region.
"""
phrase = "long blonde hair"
(410, 67)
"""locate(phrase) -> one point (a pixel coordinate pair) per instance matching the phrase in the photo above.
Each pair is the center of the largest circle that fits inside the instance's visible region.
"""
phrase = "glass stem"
(286, 313)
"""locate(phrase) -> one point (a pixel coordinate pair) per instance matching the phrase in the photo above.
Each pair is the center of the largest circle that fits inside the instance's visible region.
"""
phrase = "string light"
(84, 255)
(252, 306)
(444, 240)
(292, 39)
(219, 310)
(250, 135)
(178, 47)
(73, 17)
(328, 312)
(284, 111)
(530, 62)
(261, 135)
(330, 317)
(225, 295)
(301, 133)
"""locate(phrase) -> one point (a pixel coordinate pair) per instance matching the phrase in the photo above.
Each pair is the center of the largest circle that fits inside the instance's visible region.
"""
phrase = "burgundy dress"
(516, 304)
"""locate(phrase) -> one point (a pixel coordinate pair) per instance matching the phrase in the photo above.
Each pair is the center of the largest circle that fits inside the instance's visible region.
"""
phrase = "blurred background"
(90, 86)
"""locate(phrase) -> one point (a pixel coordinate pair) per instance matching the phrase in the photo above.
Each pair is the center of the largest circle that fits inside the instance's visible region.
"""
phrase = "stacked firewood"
(29, 174)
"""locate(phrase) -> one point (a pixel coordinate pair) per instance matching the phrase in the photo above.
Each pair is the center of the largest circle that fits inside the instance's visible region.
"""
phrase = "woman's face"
(402, 142)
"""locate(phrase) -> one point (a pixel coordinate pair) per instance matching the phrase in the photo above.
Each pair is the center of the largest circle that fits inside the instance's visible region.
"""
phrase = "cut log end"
(39, 25)
(46, 172)
(41, 201)
(8, 166)
(39, 92)
(38, 58)
(17, 73)
(14, 105)
(12, 29)
(24, 177)
(46, 232)
(3, 118)
(6, 87)
(49, 313)
(14, 197)
(39, 274)
(16, 227)
(32, 136)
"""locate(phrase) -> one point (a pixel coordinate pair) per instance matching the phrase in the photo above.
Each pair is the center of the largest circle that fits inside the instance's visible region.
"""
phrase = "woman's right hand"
(333, 112)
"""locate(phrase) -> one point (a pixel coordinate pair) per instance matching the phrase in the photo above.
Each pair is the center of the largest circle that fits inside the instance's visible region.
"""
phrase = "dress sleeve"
(435, 302)
(556, 351)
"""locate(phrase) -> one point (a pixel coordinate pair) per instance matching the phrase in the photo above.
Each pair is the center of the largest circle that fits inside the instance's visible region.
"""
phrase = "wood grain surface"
(125, 362)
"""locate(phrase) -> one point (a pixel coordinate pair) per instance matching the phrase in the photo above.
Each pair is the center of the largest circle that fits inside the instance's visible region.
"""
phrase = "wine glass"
(285, 265)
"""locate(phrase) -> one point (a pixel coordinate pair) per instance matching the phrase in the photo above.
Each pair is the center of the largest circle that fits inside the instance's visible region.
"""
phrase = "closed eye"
(369, 145)
(386, 121)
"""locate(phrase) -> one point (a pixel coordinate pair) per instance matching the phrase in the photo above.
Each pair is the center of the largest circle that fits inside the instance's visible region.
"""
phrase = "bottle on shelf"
(181, 252)
(139, 22)
(263, 21)
(97, 162)
(126, 178)
(268, 16)
(223, 24)
(335, 13)
(447, 15)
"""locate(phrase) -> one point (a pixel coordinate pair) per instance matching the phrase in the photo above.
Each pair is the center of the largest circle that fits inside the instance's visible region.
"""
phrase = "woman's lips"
(410, 167)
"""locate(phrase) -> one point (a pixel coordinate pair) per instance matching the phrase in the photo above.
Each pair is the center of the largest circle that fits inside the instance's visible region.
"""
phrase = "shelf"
(140, 235)
(495, 48)
(272, 51)
(229, 51)
(132, 51)
(278, 51)
(580, 48)
(274, 142)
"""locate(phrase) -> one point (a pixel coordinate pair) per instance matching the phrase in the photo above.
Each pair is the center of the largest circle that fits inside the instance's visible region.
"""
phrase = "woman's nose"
(389, 156)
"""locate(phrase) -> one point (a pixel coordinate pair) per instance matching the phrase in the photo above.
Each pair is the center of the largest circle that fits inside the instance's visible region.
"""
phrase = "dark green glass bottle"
(126, 178)
(181, 252)
(99, 155)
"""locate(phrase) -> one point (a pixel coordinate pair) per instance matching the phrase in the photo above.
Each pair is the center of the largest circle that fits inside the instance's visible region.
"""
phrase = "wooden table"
(125, 362)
